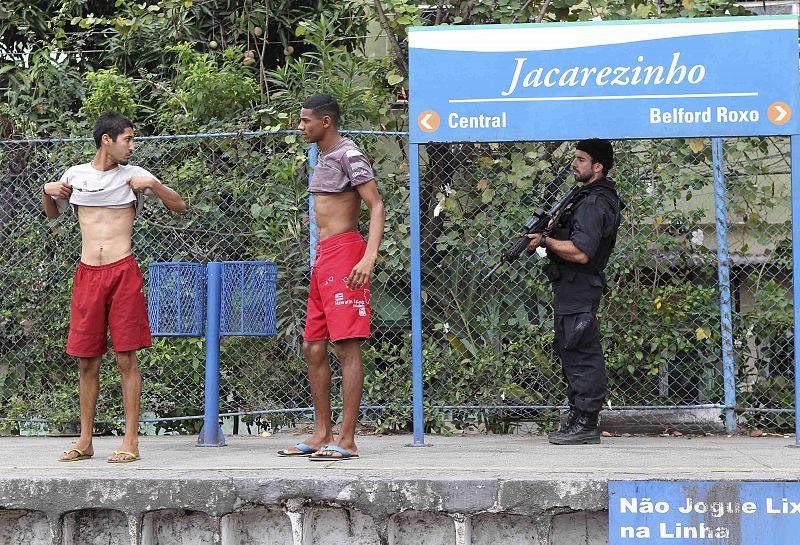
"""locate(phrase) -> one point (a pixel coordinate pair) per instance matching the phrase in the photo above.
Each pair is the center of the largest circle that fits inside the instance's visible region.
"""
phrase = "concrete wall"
(156, 508)
(299, 524)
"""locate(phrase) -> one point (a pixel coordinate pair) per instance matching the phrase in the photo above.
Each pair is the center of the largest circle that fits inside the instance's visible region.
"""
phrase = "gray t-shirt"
(340, 169)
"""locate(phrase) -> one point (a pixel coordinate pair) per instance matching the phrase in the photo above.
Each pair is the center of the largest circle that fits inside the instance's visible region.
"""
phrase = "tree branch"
(521, 10)
(439, 13)
(544, 10)
(466, 9)
(399, 58)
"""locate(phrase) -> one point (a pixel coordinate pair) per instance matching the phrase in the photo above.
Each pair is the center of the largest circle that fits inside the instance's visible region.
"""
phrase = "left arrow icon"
(428, 121)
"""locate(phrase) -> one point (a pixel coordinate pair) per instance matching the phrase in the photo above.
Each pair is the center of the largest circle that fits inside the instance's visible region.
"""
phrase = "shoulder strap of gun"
(559, 208)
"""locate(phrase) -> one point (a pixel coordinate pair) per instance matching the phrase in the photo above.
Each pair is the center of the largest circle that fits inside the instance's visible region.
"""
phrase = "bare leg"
(89, 389)
(349, 354)
(131, 400)
(319, 375)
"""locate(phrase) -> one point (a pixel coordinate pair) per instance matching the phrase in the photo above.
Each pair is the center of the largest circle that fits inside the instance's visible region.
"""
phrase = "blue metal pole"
(795, 158)
(723, 265)
(211, 434)
(313, 153)
(416, 298)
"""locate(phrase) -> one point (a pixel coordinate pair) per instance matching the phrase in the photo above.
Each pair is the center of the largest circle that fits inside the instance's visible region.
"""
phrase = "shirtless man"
(107, 195)
(338, 301)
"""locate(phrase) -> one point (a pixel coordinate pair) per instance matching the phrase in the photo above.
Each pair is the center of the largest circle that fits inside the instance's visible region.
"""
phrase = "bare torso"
(336, 213)
(106, 233)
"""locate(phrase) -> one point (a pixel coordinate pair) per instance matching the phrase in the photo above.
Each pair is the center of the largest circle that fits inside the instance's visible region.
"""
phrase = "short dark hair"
(600, 150)
(323, 104)
(111, 123)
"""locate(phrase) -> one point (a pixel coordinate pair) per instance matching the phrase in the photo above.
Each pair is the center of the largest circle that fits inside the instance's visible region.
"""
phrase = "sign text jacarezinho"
(619, 79)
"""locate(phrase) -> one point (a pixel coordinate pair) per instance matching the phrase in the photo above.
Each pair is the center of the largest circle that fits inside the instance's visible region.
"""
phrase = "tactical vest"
(603, 189)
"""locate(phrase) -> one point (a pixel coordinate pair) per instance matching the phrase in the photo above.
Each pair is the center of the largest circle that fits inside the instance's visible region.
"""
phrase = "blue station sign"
(731, 76)
(703, 513)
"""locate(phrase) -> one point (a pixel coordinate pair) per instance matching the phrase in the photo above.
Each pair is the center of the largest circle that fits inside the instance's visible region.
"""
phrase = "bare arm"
(62, 190)
(377, 217)
(168, 196)
(564, 249)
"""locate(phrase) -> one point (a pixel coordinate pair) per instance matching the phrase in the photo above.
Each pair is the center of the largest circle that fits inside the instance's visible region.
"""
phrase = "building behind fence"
(488, 359)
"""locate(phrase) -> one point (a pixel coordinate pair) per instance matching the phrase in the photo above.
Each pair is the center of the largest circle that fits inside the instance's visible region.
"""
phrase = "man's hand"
(140, 183)
(59, 190)
(535, 240)
(360, 274)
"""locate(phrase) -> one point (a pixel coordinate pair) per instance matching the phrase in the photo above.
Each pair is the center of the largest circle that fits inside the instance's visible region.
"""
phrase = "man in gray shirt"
(338, 301)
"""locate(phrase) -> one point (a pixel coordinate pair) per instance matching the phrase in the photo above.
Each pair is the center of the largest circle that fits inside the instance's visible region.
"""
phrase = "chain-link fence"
(247, 201)
(486, 343)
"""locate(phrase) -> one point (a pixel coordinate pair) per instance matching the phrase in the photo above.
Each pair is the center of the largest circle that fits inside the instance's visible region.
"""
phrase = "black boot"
(563, 425)
(583, 431)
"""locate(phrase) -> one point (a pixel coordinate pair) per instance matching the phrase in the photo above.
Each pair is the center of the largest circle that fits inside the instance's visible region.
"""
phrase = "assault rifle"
(539, 222)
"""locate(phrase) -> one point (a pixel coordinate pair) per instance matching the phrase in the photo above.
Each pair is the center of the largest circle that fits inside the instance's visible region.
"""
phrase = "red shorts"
(108, 297)
(334, 311)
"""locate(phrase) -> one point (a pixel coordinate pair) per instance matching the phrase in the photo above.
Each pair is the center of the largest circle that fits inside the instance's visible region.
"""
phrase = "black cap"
(600, 150)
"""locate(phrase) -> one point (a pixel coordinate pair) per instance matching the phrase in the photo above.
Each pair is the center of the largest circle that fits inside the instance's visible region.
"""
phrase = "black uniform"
(591, 223)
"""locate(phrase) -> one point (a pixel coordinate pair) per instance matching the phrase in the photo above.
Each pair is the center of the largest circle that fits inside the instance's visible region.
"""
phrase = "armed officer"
(578, 249)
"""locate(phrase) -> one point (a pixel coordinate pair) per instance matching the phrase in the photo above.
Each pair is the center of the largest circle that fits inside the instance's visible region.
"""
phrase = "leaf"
(300, 31)
(483, 183)
(487, 196)
(643, 11)
(394, 79)
(524, 184)
(688, 4)
(701, 334)
(697, 145)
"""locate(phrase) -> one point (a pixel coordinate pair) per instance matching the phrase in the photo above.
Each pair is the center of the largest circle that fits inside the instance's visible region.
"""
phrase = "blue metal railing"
(724, 273)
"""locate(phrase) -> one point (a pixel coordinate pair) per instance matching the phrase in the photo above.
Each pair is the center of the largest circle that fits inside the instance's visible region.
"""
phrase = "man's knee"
(126, 361)
(90, 366)
(315, 351)
(349, 352)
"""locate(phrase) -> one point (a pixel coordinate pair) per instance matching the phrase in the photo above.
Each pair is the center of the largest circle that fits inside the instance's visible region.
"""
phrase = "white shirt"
(106, 188)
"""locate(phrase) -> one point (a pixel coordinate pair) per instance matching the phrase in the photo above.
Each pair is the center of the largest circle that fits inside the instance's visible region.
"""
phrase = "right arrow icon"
(779, 113)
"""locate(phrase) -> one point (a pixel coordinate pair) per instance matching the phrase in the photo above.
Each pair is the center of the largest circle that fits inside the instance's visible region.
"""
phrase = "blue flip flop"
(344, 455)
(304, 449)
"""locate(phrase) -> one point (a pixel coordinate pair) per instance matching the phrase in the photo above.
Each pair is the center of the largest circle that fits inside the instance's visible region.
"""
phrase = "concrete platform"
(466, 490)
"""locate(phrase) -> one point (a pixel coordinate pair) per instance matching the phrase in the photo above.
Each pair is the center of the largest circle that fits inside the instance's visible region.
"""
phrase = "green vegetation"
(184, 66)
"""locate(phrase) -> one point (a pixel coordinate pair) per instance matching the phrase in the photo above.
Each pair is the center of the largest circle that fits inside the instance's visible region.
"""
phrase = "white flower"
(438, 209)
(446, 327)
(698, 237)
(541, 252)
